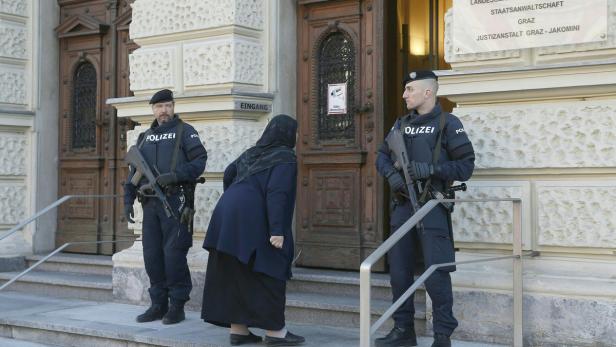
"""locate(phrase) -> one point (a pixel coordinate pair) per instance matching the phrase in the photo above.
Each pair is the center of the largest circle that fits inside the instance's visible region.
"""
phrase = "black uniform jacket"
(157, 147)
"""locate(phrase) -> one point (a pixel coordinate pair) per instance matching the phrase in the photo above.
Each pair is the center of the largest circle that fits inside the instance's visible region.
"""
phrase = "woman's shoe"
(289, 340)
(237, 339)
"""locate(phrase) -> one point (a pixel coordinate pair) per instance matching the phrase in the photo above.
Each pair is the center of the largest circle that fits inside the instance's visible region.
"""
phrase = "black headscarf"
(274, 147)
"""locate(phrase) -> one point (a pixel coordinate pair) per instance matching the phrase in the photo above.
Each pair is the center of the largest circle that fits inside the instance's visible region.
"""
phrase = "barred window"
(84, 107)
(336, 64)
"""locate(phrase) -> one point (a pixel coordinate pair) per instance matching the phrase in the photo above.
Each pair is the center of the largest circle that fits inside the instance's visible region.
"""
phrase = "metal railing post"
(364, 305)
(518, 298)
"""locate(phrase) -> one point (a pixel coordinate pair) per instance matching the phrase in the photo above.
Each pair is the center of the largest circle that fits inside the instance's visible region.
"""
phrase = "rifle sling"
(176, 150)
(435, 156)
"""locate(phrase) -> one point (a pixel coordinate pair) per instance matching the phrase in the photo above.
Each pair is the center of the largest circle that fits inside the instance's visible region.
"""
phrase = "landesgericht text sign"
(496, 25)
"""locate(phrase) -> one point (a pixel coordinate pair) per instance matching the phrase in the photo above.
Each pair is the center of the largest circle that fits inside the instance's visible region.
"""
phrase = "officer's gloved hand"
(167, 179)
(129, 213)
(419, 170)
(396, 182)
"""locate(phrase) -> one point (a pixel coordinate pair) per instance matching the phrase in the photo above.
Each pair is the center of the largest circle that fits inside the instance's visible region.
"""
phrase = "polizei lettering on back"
(418, 130)
(158, 137)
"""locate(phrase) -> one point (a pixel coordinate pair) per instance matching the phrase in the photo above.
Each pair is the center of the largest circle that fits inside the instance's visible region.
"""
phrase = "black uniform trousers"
(437, 247)
(165, 245)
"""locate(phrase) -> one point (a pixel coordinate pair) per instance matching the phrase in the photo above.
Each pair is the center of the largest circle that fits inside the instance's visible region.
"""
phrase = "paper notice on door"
(337, 98)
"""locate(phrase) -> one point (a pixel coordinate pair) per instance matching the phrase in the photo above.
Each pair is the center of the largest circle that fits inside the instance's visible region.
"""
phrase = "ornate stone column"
(542, 122)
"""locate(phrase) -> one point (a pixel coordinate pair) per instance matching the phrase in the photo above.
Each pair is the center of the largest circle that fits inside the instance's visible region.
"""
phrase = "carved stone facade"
(223, 61)
(12, 203)
(12, 40)
(182, 16)
(554, 135)
(576, 214)
(13, 154)
(198, 45)
(12, 86)
(542, 123)
(152, 69)
(14, 7)
(490, 222)
(14, 141)
(28, 116)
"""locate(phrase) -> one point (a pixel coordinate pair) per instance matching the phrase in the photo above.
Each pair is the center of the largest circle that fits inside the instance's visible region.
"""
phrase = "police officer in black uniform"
(421, 129)
(176, 155)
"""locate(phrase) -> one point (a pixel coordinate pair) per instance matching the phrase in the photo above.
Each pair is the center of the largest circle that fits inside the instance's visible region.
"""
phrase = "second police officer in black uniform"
(175, 154)
(455, 162)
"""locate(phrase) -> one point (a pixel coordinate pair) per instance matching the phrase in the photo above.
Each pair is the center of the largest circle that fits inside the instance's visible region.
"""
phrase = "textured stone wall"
(561, 136)
(15, 151)
(576, 214)
(12, 40)
(542, 124)
(550, 135)
(14, 48)
(13, 154)
(160, 17)
(197, 45)
(490, 222)
(14, 7)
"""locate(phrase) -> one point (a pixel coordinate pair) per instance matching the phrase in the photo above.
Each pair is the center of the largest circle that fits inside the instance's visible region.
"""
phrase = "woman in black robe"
(250, 242)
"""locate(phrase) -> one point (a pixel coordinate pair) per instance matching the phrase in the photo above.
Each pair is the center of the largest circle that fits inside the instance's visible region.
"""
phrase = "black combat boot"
(441, 340)
(154, 312)
(175, 314)
(398, 337)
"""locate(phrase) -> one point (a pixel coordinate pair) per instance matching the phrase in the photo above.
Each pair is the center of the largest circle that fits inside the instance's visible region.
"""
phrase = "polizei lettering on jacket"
(418, 130)
(158, 137)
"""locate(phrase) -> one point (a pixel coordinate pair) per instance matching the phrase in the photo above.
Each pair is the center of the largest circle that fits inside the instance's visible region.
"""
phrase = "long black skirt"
(234, 294)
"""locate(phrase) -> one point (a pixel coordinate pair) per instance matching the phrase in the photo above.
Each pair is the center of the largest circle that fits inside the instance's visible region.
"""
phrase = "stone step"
(73, 322)
(62, 284)
(342, 283)
(6, 342)
(68, 262)
(339, 310)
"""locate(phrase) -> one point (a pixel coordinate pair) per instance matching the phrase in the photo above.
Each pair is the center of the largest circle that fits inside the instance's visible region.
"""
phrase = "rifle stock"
(136, 160)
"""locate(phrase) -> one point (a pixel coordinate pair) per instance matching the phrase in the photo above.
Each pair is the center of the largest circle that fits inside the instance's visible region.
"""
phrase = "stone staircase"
(329, 297)
(323, 304)
(66, 275)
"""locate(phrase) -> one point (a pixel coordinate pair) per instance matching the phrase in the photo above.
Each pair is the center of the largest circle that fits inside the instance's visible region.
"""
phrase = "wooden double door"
(339, 214)
(94, 48)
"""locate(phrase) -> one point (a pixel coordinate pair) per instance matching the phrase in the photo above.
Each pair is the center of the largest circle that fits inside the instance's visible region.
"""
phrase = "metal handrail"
(56, 251)
(366, 330)
(49, 208)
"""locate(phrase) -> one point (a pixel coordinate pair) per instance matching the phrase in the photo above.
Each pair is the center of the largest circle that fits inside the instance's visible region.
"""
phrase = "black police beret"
(162, 96)
(419, 75)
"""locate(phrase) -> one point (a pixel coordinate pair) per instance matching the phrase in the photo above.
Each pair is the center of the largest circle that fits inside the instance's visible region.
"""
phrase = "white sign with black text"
(497, 25)
(337, 98)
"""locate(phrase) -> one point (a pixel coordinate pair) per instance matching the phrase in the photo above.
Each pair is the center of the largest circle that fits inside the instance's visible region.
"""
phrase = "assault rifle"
(396, 144)
(137, 161)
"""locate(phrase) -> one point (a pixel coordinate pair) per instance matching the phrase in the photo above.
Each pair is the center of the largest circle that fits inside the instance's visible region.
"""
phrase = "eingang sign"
(496, 25)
